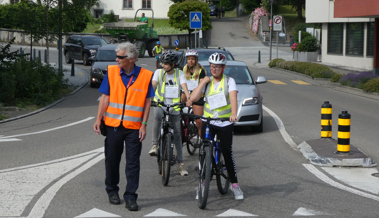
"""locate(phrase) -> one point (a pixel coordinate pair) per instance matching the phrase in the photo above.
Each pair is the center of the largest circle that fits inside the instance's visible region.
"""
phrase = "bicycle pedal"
(152, 155)
(197, 168)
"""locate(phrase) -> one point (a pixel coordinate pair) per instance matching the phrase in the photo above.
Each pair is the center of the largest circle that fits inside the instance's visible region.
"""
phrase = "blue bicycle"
(211, 162)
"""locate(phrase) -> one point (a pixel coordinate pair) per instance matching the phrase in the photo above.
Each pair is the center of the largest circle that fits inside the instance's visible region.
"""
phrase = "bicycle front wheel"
(205, 176)
(192, 134)
(222, 176)
(166, 159)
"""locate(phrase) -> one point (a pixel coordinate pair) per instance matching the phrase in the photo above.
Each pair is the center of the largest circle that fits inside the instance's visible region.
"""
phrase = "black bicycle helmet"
(169, 57)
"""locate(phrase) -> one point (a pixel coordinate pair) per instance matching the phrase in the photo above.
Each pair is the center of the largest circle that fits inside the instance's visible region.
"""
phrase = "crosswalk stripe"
(277, 82)
(300, 82)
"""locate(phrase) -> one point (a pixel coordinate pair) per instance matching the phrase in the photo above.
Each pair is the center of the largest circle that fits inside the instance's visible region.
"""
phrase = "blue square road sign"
(196, 21)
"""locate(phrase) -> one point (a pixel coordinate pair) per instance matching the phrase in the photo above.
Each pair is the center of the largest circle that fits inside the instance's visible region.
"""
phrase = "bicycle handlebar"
(160, 103)
(206, 118)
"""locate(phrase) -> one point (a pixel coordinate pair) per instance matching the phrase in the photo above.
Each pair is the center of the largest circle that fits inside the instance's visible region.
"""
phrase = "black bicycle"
(165, 157)
(211, 162)
(189, 131)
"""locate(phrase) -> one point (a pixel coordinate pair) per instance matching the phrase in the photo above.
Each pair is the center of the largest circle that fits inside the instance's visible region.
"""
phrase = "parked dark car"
(105, 55)
(82, 48)
(213, 10)
(204, 54)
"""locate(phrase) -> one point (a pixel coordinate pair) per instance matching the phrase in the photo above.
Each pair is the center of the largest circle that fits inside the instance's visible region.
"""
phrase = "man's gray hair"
(131, 50)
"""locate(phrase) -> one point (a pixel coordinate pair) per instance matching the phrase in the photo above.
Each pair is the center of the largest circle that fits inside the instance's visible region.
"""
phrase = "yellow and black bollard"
(343, 144)
(326, 120)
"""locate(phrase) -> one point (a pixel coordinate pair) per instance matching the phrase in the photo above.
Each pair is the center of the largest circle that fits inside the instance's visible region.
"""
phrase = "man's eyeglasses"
(215, 67)
(121, 57)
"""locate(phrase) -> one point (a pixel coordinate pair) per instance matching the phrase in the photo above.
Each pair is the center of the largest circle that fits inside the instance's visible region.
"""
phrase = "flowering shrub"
(258, 12)
(357, 80)
(294, 46)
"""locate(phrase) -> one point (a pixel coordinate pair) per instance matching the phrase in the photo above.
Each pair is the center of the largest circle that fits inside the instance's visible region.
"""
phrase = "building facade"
(348, 40)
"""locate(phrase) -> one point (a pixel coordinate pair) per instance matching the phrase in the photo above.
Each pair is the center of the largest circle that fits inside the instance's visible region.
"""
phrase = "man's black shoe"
(131, 205)
(114, 199)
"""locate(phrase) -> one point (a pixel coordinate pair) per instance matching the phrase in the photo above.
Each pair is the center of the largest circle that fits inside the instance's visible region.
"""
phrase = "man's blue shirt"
(105, 88)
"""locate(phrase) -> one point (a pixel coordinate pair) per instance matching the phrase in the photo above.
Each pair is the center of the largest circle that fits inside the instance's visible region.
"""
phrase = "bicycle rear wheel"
(166, 159)
(159, 155)
(222, 176)
(205, 176)
(192, 134)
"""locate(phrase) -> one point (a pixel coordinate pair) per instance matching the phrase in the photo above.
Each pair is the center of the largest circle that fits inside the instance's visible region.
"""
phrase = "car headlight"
(97, 71)
(250, 101)
(93, 52)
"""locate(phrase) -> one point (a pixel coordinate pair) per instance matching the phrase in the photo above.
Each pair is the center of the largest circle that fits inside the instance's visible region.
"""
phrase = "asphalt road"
(55, 168)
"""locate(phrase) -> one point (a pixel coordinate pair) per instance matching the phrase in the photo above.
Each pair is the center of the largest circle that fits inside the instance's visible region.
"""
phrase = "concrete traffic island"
(323, 152)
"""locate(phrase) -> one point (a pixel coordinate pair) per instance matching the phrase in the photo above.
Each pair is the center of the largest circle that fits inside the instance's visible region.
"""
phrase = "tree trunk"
(47, 32)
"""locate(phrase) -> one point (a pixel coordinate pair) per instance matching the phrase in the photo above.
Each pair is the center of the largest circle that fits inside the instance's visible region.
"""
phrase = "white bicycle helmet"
(217, 58)
(192, 52)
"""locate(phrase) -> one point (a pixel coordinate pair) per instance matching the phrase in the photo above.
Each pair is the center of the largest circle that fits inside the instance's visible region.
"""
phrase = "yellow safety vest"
(225, 111)
(160, 90)
(158, 50)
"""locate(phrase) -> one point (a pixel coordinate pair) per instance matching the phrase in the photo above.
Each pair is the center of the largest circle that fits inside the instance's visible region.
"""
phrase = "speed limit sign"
(277, 24)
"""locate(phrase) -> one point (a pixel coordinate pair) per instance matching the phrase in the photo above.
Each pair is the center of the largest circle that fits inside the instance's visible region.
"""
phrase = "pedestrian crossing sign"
(195, 20)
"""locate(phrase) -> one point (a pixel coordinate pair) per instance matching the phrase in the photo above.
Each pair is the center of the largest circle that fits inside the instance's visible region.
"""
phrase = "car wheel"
(86, 62)
(67, 58)
(258, 128)
(141, 48)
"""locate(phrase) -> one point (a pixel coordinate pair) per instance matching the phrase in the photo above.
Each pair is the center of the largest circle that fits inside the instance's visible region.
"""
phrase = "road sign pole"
(195, 38)
(277, 42)
(272, 24)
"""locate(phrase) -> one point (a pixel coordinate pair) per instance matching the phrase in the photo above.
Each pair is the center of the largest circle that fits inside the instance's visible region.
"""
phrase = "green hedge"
(311, 69)
(371, 85)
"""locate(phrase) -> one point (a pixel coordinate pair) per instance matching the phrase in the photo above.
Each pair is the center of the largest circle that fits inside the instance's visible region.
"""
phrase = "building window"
(370, 39)
(335, 38)
(354, 38)
(146, 3)
(12, 2)
(128, 4)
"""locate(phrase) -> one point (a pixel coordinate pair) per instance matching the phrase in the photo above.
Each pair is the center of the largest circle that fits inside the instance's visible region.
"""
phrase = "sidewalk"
(76, 82)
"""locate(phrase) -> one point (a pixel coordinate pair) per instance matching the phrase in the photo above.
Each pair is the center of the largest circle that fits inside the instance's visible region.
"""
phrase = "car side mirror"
(261, 79)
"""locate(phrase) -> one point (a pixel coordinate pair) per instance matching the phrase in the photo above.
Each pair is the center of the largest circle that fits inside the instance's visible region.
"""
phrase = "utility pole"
(271, 31)
(60, 65)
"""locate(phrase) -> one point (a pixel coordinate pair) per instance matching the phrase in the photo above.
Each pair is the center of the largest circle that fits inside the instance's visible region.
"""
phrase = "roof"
(228, 63)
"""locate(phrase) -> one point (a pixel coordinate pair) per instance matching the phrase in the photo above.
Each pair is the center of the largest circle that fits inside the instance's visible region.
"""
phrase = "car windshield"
(240, 74)
(106, 55)
(94, 41)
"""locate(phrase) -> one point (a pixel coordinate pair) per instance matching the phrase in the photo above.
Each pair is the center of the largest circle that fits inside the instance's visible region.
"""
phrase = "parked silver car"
(249, 99)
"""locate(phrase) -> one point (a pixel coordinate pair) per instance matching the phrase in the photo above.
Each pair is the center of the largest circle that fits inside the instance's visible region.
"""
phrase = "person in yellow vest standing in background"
(157, 51)
(126, 90)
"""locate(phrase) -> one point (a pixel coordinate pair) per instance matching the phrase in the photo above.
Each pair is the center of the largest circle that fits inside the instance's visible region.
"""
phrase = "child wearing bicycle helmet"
(194, 74)
(166, 83)
(157, 52)
(220, 93)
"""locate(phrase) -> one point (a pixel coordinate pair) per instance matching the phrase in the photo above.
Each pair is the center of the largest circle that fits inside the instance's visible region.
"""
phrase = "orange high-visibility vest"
(129, 112)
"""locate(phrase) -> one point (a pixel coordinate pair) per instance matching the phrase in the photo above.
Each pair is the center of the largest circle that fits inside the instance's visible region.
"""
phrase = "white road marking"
(9, 140)
(360, 178)
(43, 202)
(307, 212)
(331, 182)
(281, 127)
(48, 130)
(160, 212)
(232, 213)
(97, 213)
(21, 184)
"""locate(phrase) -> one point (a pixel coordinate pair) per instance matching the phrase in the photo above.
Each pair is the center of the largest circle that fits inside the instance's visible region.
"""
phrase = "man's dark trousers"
(114, 146)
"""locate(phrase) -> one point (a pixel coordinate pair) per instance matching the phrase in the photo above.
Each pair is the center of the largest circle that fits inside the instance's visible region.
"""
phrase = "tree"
(179, 15)
(298, 5)
(250, 5)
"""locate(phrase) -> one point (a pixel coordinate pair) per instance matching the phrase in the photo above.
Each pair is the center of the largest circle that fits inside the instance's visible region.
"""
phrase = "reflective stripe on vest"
(159, 50)
(135, 100)
(160, 90)
(225, 111)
